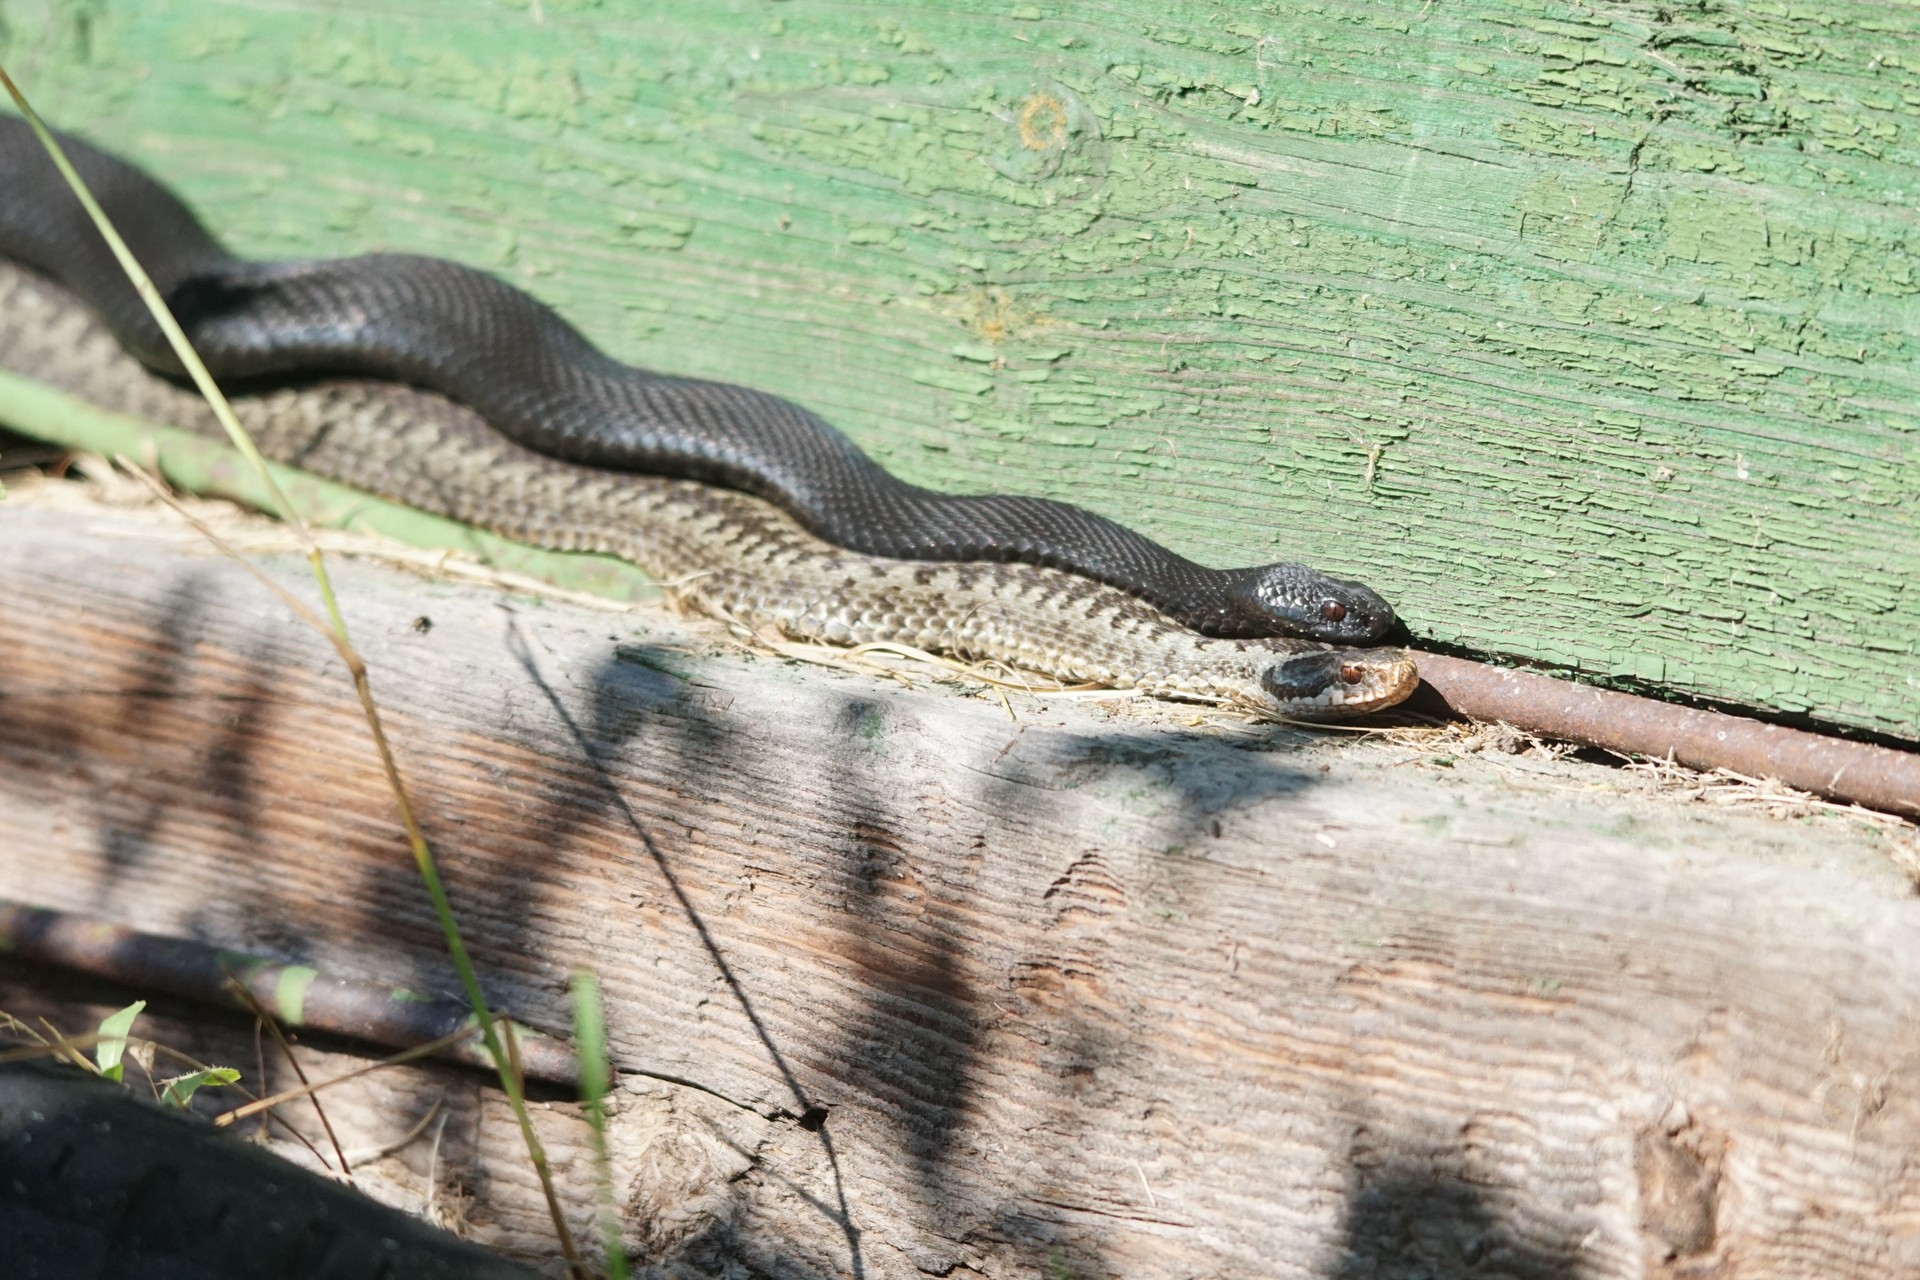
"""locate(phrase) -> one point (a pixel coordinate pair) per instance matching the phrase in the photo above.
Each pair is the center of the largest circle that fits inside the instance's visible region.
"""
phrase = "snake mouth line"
(1336, 704)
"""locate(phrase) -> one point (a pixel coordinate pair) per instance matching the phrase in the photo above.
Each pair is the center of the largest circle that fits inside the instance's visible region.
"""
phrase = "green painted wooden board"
(1589, 334)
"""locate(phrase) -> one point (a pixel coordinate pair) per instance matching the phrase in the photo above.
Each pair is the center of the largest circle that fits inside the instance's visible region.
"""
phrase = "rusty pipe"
(1856, 772)
(298, 995)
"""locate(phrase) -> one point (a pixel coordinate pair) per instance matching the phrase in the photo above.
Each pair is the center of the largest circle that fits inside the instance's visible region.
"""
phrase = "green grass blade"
(590, 1049)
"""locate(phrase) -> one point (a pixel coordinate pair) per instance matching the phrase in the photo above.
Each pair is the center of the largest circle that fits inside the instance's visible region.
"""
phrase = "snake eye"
(1351, 674)
(1333, 611)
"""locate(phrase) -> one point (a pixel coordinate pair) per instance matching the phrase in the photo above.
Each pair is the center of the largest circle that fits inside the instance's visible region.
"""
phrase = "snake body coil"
(922, 569)
(448, 328)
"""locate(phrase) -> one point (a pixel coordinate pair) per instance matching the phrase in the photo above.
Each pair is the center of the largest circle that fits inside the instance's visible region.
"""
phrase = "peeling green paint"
(1590, 335)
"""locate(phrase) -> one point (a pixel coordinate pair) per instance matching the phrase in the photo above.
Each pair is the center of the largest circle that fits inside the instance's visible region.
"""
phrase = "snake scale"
(343, 365)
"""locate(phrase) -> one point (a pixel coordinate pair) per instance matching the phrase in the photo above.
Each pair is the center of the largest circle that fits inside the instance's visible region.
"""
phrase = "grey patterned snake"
(463, 396)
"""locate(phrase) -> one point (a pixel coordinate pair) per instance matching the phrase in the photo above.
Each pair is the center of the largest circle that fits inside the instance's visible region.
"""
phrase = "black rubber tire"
(95, 1182)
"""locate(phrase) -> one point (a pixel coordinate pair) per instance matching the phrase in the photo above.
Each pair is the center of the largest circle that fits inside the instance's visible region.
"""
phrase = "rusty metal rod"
(1875, 777)
(298, 995)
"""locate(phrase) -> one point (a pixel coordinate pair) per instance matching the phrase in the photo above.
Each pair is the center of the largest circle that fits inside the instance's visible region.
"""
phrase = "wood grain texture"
(1082, 995)
(1586, 333)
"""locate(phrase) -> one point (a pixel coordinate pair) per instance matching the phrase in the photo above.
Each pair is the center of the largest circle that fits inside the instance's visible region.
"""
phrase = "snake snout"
(1291, 599)
(1340, 682)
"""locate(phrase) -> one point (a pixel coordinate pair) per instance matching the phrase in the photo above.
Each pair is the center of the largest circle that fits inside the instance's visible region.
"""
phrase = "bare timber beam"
(1080, 992)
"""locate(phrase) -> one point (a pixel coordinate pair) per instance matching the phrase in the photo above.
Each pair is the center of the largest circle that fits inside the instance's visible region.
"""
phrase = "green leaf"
(179, 1091)
(113, 1039)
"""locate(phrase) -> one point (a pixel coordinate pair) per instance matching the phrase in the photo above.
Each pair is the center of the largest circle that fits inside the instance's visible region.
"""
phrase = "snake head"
(1328, 684)
(1293, 600)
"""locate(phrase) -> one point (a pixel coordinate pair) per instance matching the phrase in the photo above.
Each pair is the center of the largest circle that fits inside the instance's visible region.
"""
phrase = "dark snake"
(469, 398)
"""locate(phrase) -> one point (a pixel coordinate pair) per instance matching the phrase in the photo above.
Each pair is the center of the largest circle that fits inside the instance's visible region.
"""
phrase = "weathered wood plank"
(1085, 994)
(1588, 334)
